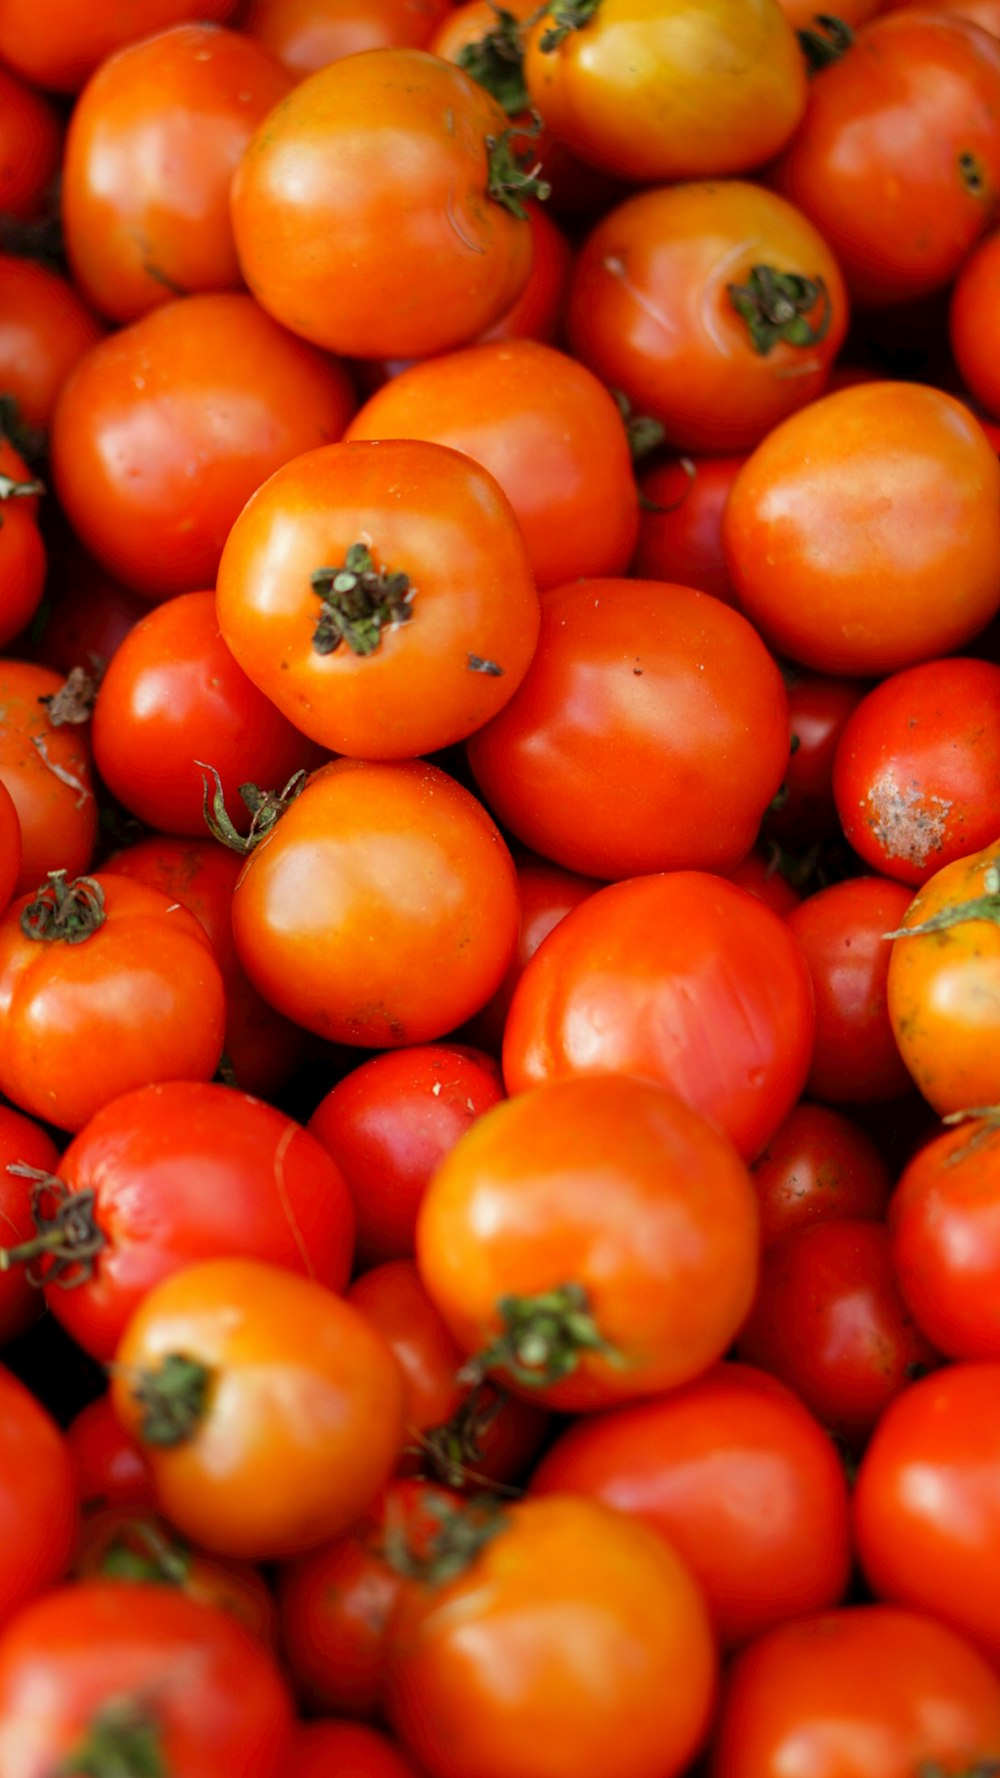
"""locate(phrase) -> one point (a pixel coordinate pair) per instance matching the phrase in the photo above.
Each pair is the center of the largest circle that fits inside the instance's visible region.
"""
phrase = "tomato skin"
(61, 47)
(546, 893)
(22, 552)
(680, 956)
(944, 1221)
(304, 1418)
(801, 14)
(736, 1475)
(345, 1750)
(865, 1692)
(650, 310)
(390, 1122)
(214, 1696)
(140, 999)
(926, 1523)
(818, 1167)
(88, 615)
(842, 570)
(537, 313)
(895, 205)
(37, 1499)
(561, 456)
(365, 961)
(24, 1143)
(10, 845)
(30, 148)
(760, 875)
(679, 684)
(842, 930)
(430, 513)
(207, 380)
(186, 1171)
(44, 328)
(680, 523)
(488, 1675)
(328, 231)
(305, 35)
(109, 1466)
(819, 709)
(521, 1207)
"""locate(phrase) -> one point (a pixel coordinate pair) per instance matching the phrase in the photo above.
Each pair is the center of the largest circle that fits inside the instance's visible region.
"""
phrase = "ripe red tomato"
(380, 595)
(680, 523)
(734, 1473)
(973, 326)
(30, 146)
(760, 874)
(85, 617)
(109, 1467)
(37, 1501)
(546, 893)
(650, 733)
(344, 1750)
(819, 708)
(61, 45)
(682, 978)
(23, 1143)
(306, 35)
(44, 329)
(590, 1241)
(818, 1167)
(944, 1220)
(10, 845)
(22, 552)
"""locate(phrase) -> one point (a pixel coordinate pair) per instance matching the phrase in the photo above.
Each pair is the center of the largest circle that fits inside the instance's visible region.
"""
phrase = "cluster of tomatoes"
(499, 889)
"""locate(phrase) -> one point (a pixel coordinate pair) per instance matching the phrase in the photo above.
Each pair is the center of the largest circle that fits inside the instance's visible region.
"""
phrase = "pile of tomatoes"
(499, 889)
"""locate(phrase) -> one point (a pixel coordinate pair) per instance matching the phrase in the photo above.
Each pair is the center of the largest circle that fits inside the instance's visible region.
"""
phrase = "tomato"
(344, 1750)
(381, 910)
(917, 771)
(46, 767)
(109, 1467)
(44, 329)
(22, 552)
(819, 708)
(10, 845)
(61, 45)
(537, 313)
(665, 89)
(105, 985)
(972, 328)
(388, 1124)
(900, 207)
(737, 1477)
(23, 1144)
(650, 733)
(163, 431)
(761, 875)
(491, 1673)
(268, 1409)
(306, 35)
(830, 1322)
(683, 978)
(173, 696)
(37, 1500)
(845, 523)
(380, 595)
(944, 1220)
(85, 617)
(680, 523)
(926, 1515)
(716, 309)
(867, 1692)
(329, 230)
(138, 1675)
(818, 1167)
(944, 980)
(30, 146)
(546, 893)
(152, 146)
(175, 1173)
(590, 1241)
(842, 931)
(801, 14)
(545, 428)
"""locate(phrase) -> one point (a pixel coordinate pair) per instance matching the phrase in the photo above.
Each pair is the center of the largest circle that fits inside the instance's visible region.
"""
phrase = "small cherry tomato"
(344, 1750)
(944, 1221)
(818, 1167)
(819, 709)
(44, 328)
(109, 1466)
(546, 893)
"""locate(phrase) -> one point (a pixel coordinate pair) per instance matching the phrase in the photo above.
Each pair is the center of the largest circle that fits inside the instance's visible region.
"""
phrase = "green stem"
(979, 907)
(67, 1235)
(644, 434)
(542, 1340)
(511, 177)
(567, 16)
(358, 601)
(464, 1531)
(265, 808)
(173, 1399)
(496, 62)
(827, 44)
(777, 305)
(61, 912)
(159, 1560)
(123, 1741)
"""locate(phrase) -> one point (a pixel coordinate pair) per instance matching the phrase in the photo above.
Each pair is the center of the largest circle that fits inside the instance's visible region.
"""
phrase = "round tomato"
(109, 1467)
(22, 552)
(10, 845)
(973, 325)
(86, 616)
(680, 523)
(944, 1220)
(818, 1167)
(44, 329)
(30, 144)
(24, 1149)
(61, 45)
(306, 35)
(37, 1501)
(344, 1750)
(819, 708)
(546, 894)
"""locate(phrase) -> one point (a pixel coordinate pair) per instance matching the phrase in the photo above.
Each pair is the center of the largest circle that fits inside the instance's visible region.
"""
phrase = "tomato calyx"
(67, 1236)
(265, 808)
(567, 16)
(979, 907)
(511, 178)
(827, 43)
(141, 1553)
(74, 701)
(123, 1741)
(495, 61)
(644, 435)
(452, 1450)
(981, 1768)
(173, 1399)
(777, 306)
(358, 601)
(542, 1340)
(11, 489)
(462, 1532)
(62, 912)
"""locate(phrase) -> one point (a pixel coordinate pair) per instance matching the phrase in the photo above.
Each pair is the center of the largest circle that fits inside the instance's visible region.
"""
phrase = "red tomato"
(546, 894)
(973, 327)
(85, 617)
(344, 1750)
(44, 329)
(23, 1143)
(61, 45)
(537, 313)
(390, 1122)
(10, 845)
(37, 1502)
(163, 431)
(109, 1466)
(979, 12)
(761, 875)
(842, 931)
(306, 35)
(680, 523)
(590, 1241)
(682, 978)
(45, 764)
(650, 733)
(735, 1474)
(819, 708)
(30, 145)
(22, 552)
(818, 1167)
(944, 1220)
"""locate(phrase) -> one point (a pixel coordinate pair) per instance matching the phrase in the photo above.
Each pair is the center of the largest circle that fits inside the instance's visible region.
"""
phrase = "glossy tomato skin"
(944, 1222)
(97, 1649)
(305, 35)
(345, 1750)
(63, 46)
(651, 310)
(866, 1692)
(22, 551)
(163, 431)
(44, 328)
(818, 1167)
(842, 930)
(819, 709)
(830, 1322)
(735, 1474)
(152, 147)
(926, 1523)
(488, 1674)
(537, 312)
(548, 431)
(679, 683)
(37, 1499)
(22, 1143)
(680, 523)
(303, 1419)
(848, 519)
(760, 874)
(390, 1122)
(917, 771)
(368, 960)
(659, 89)
(30, 146)
(901, 209)
(699, 986)
(972, 322)
(422, 681)
(546, 893)
(191, 1170)
(521, 1208)
(10, 845)
(329, 231)
(139, 999)
(109, 1467)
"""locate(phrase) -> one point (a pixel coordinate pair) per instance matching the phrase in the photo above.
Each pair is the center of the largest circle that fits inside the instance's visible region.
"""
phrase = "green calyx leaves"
(778, 305)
